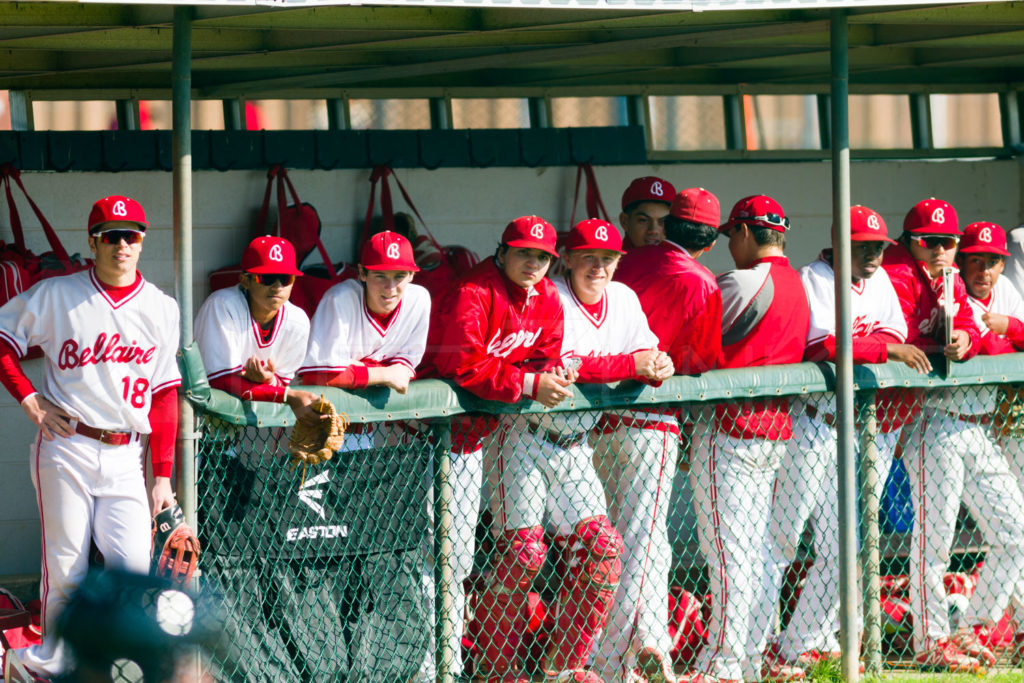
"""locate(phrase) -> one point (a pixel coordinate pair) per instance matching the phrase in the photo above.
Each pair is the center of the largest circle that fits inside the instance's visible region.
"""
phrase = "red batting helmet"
(388, 250)
(116, 208)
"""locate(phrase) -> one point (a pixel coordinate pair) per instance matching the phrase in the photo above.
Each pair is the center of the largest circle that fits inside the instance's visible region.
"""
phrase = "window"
(389, 114)
(687, 123)
(880, 122)
(498, 112)
(966, 121)
(572, 112)
(781, 121)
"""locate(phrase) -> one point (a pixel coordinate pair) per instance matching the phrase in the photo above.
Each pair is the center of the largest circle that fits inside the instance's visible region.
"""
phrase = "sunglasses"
(271, 279)
(932, 241)
(115, 236)
(769, 218)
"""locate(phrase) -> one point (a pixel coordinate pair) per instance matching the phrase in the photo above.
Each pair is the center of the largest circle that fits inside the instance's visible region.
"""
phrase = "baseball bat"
(948, 308)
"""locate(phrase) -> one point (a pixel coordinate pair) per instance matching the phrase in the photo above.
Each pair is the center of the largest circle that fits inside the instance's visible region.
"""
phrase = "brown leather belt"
(556, 438)
(107, 436)
(827, 418)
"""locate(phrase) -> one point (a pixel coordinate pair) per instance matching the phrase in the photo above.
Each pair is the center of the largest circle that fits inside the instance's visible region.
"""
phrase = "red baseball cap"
(697, 205)
(531, 232)
(984, 238)
(388, 251)
(867, 226)
(760, 210)
(594, 233)
(116, 208)
(932, 217)
(648, 189)
(272, 255)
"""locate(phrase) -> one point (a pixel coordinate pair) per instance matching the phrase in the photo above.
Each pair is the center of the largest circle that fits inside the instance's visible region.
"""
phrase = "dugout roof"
(74, 50)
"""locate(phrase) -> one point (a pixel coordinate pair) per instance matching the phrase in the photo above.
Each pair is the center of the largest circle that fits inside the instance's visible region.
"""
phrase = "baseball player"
(806, 486)
(683, 307)
(252, 339)
(498, 334)
(108, 338)
(606, 328)
(645, 204)
(765, 321)
(689, 208)
(934, 464)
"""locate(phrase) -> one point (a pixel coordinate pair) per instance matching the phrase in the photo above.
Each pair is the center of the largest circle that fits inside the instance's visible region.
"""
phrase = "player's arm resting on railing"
(359, 375)
(1008, 337)
(878, 347)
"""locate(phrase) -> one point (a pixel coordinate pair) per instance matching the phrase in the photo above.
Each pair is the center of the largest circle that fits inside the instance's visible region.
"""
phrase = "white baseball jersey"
(228, 336)
(873, 304)
(344, 331)
(619, 327)
(104, 360)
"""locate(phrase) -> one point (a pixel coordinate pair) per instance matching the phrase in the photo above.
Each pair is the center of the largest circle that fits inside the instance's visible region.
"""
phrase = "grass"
(829, 672)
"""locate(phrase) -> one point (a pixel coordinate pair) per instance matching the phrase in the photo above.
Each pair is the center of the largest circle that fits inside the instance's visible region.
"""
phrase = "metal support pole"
(20, 103)
(444, 567)
(735, 132)
(921, 120)
(181, 148)
(540, 112)
(127, 115)
(440, 113)
(848, 593)
(1009, 116)
(871, 481)
(234, 113)
(338, 115)
(824, 121)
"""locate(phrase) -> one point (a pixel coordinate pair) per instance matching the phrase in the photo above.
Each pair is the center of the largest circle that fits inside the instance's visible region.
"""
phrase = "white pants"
(636, 467)
(732, 482)
(949, 461)
(466, 480)
(808, 489)
(1013, 449)
(541, 481)
(86, 491)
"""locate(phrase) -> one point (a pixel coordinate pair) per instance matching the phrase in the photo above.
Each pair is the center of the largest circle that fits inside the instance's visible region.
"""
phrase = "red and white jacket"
(491, 337)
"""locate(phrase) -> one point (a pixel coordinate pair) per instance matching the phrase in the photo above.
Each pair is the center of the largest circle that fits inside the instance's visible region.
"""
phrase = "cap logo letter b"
(601, 233)
(985, 235)
(275, 253)
(873, 223)
(119, 209)
(939, 215)
(657, 189)
(392, 251)
(537, 231)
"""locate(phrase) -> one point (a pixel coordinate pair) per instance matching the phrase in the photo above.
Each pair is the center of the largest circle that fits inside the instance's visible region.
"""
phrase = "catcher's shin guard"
(587, 594)
(502, 608)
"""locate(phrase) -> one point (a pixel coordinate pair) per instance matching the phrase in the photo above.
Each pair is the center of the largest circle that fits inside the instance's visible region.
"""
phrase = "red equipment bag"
(439, 266)
(298, 223)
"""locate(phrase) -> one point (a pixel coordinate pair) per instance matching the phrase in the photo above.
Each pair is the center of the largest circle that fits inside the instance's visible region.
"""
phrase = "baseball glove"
(314, 443)
(1009, 414)
(175, 547)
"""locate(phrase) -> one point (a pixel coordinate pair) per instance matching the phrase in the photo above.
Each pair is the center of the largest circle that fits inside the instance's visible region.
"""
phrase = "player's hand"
(996, 322)
(299, 401)
(645, 363)
(553, 387)
(162, 494)
(259, 371)
(911, 355)
(958, 348)
(397, 377)
(51, 419)
(664, 367)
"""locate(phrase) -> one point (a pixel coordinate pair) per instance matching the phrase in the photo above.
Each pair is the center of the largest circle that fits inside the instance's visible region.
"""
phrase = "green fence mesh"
(721, 553)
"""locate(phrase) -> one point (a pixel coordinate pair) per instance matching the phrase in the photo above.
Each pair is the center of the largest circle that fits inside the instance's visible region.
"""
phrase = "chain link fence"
(721, 550)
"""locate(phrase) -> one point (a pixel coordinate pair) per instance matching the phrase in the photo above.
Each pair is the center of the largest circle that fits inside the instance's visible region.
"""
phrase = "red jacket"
(681, 300)
(487, 333)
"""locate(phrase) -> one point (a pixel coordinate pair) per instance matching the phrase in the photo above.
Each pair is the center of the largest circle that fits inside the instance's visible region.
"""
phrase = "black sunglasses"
(770, 218)
(932, 241)
(271, 279)
(115, 236)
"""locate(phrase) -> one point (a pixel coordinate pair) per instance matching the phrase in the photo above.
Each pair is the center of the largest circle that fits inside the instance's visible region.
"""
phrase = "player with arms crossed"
(109, 338)
(498, 334)
(683, 307)
(806, 486)
(765, 321)
(644, 207)
(915, 265)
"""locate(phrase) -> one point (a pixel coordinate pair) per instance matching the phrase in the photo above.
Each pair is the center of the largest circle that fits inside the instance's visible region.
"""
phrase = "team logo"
(392, 251)
(985, 235)
(657, 189)
(537, 231)
(939, 215)
(275, 253)
(119, 208)
(601, 233)
(873, 223)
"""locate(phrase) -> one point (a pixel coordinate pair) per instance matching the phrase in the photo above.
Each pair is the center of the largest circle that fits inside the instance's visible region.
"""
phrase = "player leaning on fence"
(934, 465)
(765, 321)
(806, 487)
